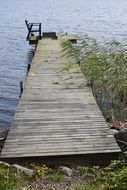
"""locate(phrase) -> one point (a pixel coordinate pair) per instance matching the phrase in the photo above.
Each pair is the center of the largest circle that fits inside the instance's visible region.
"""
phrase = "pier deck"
(57, 114)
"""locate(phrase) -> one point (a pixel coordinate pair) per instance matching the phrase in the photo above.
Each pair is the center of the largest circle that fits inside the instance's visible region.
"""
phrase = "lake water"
(101, 19)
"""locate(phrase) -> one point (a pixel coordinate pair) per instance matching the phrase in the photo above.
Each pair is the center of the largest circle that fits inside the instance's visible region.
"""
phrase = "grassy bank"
(112, 177)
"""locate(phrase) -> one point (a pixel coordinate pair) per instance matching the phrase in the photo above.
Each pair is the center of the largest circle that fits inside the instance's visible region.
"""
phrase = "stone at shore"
(121, 138)
(19, 168)
(114, 131)
(23, 170)
(5, 164)
(121, 135)
(65, 170)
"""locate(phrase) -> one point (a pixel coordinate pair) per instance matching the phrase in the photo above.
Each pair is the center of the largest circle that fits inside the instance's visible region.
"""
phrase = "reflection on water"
(100, 19)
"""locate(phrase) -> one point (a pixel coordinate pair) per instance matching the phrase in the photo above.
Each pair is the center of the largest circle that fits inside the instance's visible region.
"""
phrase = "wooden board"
(57, 114)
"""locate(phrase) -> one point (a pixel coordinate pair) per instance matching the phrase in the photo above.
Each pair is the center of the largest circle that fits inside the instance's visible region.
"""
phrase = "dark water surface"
(100, 19)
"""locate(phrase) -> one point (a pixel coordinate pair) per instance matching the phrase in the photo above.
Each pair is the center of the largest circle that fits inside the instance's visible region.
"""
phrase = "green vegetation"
(57, 177)
(112, 177)
(41, 169)
(10, 179)
(105, 67)
(82, 187)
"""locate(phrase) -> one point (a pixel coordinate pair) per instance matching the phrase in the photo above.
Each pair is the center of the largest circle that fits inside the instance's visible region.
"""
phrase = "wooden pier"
(57, 114)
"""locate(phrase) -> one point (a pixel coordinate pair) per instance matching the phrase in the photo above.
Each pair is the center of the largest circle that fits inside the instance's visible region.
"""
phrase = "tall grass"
(105, 67)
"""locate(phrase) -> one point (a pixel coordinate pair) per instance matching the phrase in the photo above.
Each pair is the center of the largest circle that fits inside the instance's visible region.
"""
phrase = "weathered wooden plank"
(59, 147)
(65, 136)
(38, 127)
(58, 152)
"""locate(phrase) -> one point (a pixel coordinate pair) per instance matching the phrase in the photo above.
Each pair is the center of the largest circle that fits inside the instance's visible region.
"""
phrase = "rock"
(19, 168)
(5, 164)
(122, 135)
(65, 170)
(24, 170)
(114, 131)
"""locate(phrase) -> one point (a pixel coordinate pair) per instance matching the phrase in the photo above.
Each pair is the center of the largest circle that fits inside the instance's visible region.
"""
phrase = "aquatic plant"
(105, 67)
